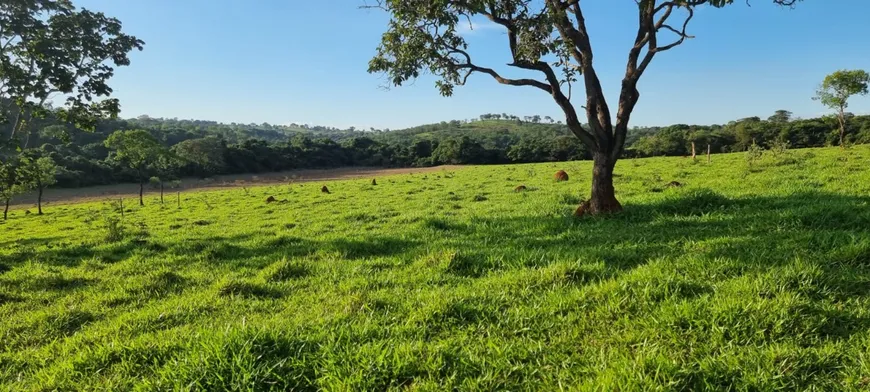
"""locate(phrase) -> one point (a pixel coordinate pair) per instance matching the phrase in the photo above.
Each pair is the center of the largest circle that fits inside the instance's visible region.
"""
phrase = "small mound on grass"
(271, 199)
(324, 189)
(560, 176)
(520, 188)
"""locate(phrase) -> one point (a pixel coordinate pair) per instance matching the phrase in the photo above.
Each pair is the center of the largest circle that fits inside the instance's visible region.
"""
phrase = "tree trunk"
(141, 192)
(693, 151)
(603, 198)
(6, 211)
(842, 119)
(15, 124)
(39, 202)
(161, 192)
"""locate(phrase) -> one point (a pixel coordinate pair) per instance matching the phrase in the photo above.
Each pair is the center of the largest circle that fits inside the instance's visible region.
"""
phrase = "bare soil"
(95, 193)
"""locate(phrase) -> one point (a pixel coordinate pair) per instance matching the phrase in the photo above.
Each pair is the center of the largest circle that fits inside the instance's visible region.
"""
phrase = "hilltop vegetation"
(207, 148)
(752, 273)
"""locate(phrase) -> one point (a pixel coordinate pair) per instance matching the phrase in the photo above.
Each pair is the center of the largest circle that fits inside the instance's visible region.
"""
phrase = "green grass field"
(740, 279)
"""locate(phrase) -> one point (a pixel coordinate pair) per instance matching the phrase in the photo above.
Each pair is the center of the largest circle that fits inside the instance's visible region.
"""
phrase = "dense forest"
(207, 148)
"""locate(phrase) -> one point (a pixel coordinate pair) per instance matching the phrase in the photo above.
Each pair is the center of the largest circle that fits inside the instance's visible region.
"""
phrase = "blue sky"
(283, 61)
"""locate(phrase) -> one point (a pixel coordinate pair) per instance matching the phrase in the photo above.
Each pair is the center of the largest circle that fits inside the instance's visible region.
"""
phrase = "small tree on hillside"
(836, 90)
(37, 173)
(549, 38)
(139, 150)
(9, 186)
(164, 167)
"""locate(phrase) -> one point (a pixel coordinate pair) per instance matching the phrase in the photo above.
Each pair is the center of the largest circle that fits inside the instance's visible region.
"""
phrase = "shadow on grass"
(833, 230)
(830, 230)
(829, 234)
(72, 255)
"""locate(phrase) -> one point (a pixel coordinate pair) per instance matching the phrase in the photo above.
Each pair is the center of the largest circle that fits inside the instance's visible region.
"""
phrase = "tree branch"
(555, 88)
(491, 72)
(597, 110)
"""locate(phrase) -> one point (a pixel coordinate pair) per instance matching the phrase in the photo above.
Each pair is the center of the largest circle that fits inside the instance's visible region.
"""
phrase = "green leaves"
(837, 87)
(37, 173)
(48, 48)
(136, 148)
(8, 179)
(836, 90)
(424, 37)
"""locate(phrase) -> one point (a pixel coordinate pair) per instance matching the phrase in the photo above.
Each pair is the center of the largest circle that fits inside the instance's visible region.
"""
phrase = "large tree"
(49, 49)
(140, 151)
(550, 38)
(836, 90)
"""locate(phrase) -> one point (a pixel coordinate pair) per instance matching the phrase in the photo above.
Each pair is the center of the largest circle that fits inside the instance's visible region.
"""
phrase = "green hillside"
(749, 275)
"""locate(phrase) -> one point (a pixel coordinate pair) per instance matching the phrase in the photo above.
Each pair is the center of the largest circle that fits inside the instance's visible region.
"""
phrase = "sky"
(301, 61)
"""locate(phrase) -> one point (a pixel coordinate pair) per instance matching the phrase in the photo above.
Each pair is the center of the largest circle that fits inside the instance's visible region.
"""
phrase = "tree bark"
(842, 119)
(603, 198)
(141, 192)
(6, 211)
(161, 192)
(39, 202)
(15, 124)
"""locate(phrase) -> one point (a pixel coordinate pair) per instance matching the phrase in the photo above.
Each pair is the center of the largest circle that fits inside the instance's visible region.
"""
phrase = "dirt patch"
(98, 193)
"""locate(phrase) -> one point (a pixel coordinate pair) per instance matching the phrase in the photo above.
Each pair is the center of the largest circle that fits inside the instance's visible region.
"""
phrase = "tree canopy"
(549, 38)
(140, 151)
(837, 88)
(49, 48)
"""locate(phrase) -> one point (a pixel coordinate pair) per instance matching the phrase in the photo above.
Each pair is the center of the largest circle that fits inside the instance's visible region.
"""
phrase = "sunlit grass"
(744, 279)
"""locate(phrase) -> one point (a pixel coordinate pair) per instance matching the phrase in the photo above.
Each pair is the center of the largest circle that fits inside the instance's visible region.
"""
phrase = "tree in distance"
(837, 88)
(140, 151)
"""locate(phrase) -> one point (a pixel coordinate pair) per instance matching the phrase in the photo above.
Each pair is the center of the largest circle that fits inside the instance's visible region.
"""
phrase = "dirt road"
(77, 195)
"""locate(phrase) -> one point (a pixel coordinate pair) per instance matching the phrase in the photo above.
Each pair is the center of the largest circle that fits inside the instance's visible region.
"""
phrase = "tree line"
(152, 150)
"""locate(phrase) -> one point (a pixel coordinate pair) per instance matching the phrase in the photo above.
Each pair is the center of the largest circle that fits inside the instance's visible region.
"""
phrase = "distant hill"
(208, 148)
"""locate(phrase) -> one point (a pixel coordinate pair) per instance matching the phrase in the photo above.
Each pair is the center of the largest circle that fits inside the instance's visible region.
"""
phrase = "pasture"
(746, 277)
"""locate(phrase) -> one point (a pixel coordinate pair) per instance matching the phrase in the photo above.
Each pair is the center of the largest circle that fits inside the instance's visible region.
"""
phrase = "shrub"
(113, 227)
(753, 154)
